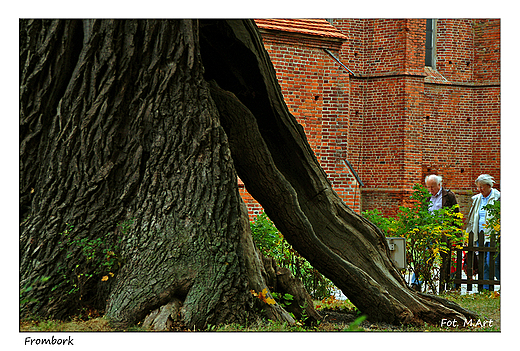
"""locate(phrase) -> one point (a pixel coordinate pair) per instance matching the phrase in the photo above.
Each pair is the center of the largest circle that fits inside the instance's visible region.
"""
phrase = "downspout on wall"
(338, 61)
(347, 163)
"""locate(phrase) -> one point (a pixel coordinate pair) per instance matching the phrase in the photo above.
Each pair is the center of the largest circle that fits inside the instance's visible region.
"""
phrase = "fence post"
(481, 259)
(469, 262)
(444, 276)
(458, 269)
(492, 255)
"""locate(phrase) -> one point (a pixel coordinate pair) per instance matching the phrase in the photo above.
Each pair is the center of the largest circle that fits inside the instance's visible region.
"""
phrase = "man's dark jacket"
(449, 199)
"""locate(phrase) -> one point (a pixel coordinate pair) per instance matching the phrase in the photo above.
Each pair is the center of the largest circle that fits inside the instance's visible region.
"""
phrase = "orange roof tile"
(318, 27)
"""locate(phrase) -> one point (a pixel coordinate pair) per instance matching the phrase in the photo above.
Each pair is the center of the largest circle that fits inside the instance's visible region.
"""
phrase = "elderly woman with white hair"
(478, 216)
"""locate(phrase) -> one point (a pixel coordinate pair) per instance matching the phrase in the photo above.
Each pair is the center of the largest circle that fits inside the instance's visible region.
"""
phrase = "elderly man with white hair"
(440, 197)
(478, 216)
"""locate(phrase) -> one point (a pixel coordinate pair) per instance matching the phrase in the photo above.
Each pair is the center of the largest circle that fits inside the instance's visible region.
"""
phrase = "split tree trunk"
(279, 169)
(117, 124)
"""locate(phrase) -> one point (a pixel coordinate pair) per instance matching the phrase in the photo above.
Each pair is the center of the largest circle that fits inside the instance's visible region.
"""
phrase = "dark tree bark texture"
(119, 124)
(128, 131)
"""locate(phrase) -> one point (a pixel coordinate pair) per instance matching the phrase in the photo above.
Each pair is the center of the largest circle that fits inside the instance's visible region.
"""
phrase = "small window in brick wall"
(429, 55)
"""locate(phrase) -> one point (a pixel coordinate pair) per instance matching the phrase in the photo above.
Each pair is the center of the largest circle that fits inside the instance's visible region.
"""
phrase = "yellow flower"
(105, 278)
(270, 301)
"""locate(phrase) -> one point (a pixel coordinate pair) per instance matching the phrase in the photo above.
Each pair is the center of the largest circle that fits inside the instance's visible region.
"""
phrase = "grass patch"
(486, 304)
(93, 325)
(342, 315)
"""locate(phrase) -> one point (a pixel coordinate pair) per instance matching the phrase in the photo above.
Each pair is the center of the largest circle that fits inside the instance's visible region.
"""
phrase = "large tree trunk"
(117, 126)
(128, 189)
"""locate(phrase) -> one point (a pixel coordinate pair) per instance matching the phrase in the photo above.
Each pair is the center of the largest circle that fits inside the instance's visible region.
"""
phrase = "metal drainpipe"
(354, 173)
(338, 61)
(360, 183)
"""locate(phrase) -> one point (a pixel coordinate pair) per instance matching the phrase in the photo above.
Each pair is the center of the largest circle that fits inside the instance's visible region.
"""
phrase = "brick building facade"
(378, 119)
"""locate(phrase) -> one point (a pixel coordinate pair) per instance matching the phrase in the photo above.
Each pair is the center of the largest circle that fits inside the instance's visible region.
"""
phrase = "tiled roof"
(318, 27)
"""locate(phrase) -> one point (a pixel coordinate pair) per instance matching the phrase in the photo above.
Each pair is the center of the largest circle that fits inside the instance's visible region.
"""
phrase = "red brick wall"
(448, 138)
(410, 121)
(466, 106)
(486, 100)
(387, 57)
(486, 131)
(253, 207)
(487, 51)
(394, 120)
(455, 49)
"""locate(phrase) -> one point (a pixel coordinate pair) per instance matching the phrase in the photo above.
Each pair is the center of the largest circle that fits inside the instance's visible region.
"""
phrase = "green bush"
(493, 221)
(427, 233)
(266, 237)
(377, 218)
(271, 243)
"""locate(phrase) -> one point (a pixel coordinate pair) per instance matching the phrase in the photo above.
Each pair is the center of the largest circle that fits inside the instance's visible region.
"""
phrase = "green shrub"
(427, 233)
(271, 243)
(377, 218)
(493, 221)
(266, 237)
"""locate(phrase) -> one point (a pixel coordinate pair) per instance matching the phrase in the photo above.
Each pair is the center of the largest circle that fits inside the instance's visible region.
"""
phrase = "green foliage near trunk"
(101, 258)
(271, 243)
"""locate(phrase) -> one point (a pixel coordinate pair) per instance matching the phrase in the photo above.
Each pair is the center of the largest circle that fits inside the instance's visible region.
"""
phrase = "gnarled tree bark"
(123, 128)
(118, 125)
